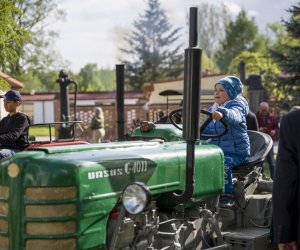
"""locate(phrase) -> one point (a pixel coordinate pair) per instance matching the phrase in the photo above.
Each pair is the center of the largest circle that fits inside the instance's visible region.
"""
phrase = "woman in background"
(97, 126)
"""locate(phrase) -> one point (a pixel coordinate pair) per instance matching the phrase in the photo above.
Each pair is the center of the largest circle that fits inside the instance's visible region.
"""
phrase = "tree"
(257, 63)
(286, 53)
(33, 17)
(241, 35)
(207, 64)
(108, 79)
(93, 79)
(40, 81)
(154, 52)
(11, 36)
(212, 21)
(89, 78)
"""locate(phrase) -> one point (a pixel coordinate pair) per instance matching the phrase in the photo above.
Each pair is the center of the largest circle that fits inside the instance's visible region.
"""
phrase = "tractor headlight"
(136, 197)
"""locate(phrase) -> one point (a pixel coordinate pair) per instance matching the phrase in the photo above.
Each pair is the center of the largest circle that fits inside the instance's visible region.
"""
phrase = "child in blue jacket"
(233, 108)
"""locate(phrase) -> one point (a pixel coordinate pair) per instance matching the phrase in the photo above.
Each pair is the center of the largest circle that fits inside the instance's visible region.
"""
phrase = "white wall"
(43, 112)
(207, 83)
(3, 113)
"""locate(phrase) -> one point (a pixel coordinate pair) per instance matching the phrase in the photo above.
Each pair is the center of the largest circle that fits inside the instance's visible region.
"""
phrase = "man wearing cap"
(14, 127)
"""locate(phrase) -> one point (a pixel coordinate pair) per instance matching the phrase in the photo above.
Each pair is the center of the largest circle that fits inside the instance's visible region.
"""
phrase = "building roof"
(15, 84)
(39, 97)
(107, 95)
(203, 75)
(166, 86)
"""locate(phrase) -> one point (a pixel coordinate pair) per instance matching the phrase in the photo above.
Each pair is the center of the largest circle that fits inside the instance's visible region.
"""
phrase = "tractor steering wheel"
(175, 114)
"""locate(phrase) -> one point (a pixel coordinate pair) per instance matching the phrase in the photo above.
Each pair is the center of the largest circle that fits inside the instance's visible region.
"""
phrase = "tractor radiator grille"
(51, 244)
(49, 211)
(3, 225)
(4, 193)
(51, 193)
(51, 228)
(4, 242)
(50, 218)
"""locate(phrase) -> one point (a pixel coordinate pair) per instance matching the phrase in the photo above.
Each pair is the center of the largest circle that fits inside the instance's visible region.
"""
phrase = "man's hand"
(263, 129)
(217, 115)
(287, 246)
(272, 132)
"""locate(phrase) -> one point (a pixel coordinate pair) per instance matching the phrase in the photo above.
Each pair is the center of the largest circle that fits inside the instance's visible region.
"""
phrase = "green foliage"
(255, 62)
(40, 81)
(278, 36)
(33, 51)
(108, 79)
(241, 35)
(212, 20)
(4, 85)
(92, 79)
(11, 35)
(258, 63)
(89, 78)
(208, 64)
(154, 52)
(41, 131)
(293, 25)
(286, 52)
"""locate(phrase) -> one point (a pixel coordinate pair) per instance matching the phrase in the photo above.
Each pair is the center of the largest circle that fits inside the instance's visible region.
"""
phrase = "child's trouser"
(231, 162)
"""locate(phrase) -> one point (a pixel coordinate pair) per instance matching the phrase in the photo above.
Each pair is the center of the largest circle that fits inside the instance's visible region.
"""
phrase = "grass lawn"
(266, 169)
(41, 131)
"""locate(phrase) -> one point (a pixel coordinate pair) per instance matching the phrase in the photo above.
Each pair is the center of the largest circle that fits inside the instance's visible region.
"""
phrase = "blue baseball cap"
(12, 95)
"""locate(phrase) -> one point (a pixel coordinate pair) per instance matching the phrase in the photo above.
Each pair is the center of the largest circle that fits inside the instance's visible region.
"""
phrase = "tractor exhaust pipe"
(67, 130)
(120, 101)
(191, 107)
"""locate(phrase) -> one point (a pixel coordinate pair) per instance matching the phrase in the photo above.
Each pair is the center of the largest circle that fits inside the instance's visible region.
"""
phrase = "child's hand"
(217, 115)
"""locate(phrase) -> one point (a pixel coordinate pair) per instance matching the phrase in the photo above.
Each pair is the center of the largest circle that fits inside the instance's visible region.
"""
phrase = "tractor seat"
(260, 145)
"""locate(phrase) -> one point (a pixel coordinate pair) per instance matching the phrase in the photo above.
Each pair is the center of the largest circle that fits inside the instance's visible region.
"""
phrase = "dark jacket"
(14, 131)
(251, 121)
(286, 186)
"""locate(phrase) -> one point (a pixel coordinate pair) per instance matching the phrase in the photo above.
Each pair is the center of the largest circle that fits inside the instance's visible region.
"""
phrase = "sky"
(93, 30)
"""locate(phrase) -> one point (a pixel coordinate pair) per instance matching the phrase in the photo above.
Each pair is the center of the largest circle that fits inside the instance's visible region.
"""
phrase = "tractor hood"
(105, 169)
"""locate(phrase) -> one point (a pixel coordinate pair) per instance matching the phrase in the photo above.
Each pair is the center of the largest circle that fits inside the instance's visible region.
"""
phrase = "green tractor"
(159, 190)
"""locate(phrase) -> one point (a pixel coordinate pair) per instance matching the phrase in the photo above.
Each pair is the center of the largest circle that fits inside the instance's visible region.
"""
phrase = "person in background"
(97, 126)
(276, 114)
(14, 127)
(286, 185)
(268, 123)
(251, 120)
(160, 115)
(233, 108)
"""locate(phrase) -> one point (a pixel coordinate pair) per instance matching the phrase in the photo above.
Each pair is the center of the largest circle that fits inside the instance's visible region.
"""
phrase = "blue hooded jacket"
(236, 141)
